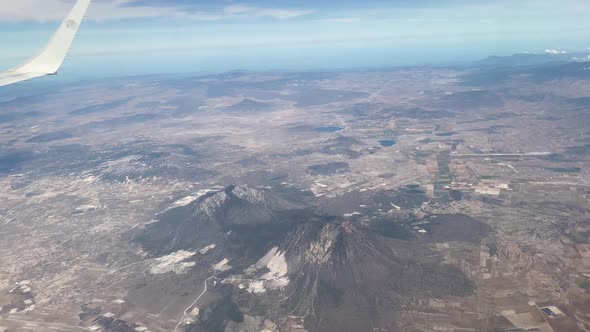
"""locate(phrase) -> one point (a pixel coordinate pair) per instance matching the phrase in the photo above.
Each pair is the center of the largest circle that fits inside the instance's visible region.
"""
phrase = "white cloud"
(281, 14)
(245, 11)
(236, 9)
(582, 59)
(554, 51)
(55, 10)
(343, 20)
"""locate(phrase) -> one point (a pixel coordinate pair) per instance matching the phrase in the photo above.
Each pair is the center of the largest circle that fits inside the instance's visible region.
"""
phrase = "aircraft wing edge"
(50, 59)
(11, 77)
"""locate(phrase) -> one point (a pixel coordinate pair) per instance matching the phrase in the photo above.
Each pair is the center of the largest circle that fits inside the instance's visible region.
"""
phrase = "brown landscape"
(401, 199)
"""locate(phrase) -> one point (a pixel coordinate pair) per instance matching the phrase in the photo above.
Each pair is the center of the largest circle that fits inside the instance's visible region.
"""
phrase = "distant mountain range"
(531, 59)
(531, 67)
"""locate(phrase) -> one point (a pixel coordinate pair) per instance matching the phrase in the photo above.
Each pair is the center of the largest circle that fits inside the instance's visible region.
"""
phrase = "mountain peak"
(239, 205)
(211, 216)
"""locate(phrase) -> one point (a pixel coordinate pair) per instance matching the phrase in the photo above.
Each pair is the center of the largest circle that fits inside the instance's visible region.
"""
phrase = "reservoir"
(387, 143)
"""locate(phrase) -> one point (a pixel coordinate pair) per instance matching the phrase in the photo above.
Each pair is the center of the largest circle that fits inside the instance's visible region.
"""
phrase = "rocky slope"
(278, 260)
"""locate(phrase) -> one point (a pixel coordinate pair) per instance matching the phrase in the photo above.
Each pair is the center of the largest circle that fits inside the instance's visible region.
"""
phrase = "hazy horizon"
(131, 37)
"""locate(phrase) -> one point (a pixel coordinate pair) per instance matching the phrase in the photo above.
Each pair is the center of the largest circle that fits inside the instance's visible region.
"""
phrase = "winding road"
(186, 311)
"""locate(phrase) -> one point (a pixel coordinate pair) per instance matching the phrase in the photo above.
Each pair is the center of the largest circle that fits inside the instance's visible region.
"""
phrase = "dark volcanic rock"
(523, 59)
(101, 107)
(346, 141)
(236, 215)
(456, 227)
(343, 274)
(346, 277)
(13, 160)
(341, 145)
(249, 105)
(472, 99)
(329, 168)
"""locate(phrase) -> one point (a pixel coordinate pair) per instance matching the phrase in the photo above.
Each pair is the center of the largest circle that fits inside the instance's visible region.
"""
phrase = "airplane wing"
(50, 59)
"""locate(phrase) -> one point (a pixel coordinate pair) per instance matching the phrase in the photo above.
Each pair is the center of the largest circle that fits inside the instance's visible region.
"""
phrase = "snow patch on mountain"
(227, 205)
(222, 265)
(255, 196)
(256, 287)
(206, 249)
(184, 201)
(175, 262)
(275, 278)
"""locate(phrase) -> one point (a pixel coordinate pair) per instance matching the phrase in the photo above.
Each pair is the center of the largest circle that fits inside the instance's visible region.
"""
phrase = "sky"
(136, 37)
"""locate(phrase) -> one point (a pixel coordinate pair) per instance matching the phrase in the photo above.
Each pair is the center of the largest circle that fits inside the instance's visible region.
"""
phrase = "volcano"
(287, 260)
